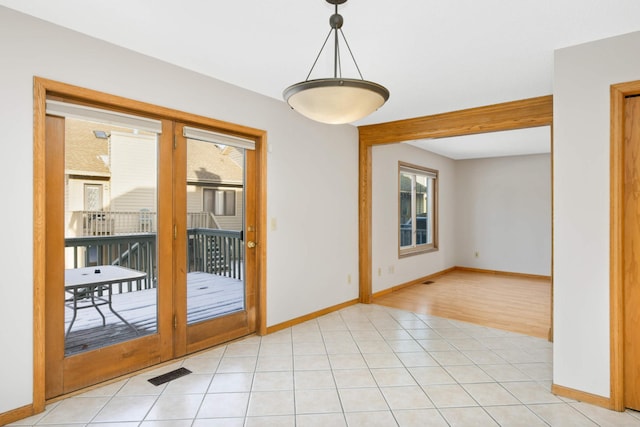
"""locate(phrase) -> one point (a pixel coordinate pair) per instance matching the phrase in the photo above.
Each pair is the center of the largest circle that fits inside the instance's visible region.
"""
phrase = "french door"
(215, 178)
(150, 241)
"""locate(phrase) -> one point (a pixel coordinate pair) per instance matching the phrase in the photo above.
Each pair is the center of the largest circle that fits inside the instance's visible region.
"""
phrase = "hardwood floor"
(512, 303)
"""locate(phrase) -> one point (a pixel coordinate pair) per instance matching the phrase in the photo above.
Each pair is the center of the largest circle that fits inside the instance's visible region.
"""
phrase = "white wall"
(503, 212)
(385, 216)
(311, 177)
(583, 75)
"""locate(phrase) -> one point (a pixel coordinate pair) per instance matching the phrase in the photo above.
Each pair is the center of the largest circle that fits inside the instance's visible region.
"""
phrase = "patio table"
(93, 286)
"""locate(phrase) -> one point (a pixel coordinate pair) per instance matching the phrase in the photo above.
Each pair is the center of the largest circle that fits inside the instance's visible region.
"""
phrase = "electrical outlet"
(379, 271)
(477, 254)
(348, 279)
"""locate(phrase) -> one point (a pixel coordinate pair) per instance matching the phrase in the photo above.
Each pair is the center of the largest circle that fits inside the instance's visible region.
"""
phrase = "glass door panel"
(214, 230)
(110, 223)
(130, 220)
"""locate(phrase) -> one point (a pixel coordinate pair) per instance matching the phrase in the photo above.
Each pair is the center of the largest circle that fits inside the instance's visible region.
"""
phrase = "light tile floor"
(365, 365)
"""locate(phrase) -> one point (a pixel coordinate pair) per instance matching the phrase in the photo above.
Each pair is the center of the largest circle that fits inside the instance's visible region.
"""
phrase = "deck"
(208, 296)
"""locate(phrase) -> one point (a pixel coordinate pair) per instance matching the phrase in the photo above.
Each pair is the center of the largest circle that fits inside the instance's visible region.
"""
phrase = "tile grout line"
(438, 364)
(407, 369)
(331, 369)
(195, 416)
(413, 339)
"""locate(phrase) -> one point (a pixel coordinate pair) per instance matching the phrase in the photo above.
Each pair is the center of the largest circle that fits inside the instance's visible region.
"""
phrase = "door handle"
(251, 244)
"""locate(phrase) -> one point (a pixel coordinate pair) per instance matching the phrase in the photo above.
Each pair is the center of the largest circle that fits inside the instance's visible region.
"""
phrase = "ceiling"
(433, 56)
(495, 144)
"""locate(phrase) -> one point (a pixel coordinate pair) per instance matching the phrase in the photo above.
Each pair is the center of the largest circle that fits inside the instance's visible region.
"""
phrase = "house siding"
(134, 176)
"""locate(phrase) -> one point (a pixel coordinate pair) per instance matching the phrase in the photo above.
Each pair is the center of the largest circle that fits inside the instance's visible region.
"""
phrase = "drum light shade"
(336, 100)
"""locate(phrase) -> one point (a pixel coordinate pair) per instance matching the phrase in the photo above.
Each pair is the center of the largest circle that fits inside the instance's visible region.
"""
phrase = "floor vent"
(428, 282)
(165, 378)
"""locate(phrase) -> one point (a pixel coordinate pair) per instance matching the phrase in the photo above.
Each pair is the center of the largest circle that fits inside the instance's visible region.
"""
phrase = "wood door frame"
(532, 112)
(44, 88)
(209, 332)
(616, 235)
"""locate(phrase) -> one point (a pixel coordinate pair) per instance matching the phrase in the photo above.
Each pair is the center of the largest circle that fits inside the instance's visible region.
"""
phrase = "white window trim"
(218, 138)
(91, 114)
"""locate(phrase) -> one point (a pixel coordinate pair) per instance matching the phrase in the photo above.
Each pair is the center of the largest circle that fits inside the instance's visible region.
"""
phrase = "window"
(92, 197)
(220, 202)
(418, 208)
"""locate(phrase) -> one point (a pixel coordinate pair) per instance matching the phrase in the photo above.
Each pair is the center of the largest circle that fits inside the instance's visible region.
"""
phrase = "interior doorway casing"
(616, 264)
(522, 114)
(43, 89)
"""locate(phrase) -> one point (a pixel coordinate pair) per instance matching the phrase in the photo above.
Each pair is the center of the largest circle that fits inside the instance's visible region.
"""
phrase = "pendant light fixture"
(336, 100)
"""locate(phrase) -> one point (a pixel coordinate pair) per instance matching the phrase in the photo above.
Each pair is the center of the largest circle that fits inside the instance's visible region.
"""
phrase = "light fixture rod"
(319, 53)
(338, 59)
(335, 46)
(351, 53)
(336, 25)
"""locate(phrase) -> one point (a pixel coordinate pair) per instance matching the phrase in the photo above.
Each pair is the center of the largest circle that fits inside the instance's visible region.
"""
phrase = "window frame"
(415, 248)
(99, 189)
(227, 205)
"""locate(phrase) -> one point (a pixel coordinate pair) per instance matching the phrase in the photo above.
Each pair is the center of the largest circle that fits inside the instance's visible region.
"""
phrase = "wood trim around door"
(522, 114)
(39, 253)
(616, 258)
(44, 88)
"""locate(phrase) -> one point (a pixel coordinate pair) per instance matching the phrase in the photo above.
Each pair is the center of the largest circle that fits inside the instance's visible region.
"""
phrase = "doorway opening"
(528, 113)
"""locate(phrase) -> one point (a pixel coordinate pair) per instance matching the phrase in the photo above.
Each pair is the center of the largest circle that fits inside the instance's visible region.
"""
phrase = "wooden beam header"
(527, 113)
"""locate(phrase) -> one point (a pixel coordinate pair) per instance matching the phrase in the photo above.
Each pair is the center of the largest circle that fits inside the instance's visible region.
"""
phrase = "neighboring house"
(87, 174)
(111, 181)
(215, 179)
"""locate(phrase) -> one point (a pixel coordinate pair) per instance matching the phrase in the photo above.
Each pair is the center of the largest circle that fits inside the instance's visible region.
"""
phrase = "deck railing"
(137, 252)
(106, 223)
(215, 251)
(212, 251)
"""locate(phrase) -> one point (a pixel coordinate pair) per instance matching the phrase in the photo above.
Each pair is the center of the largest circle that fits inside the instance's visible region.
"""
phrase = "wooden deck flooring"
(208, 296)
(505, 302)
